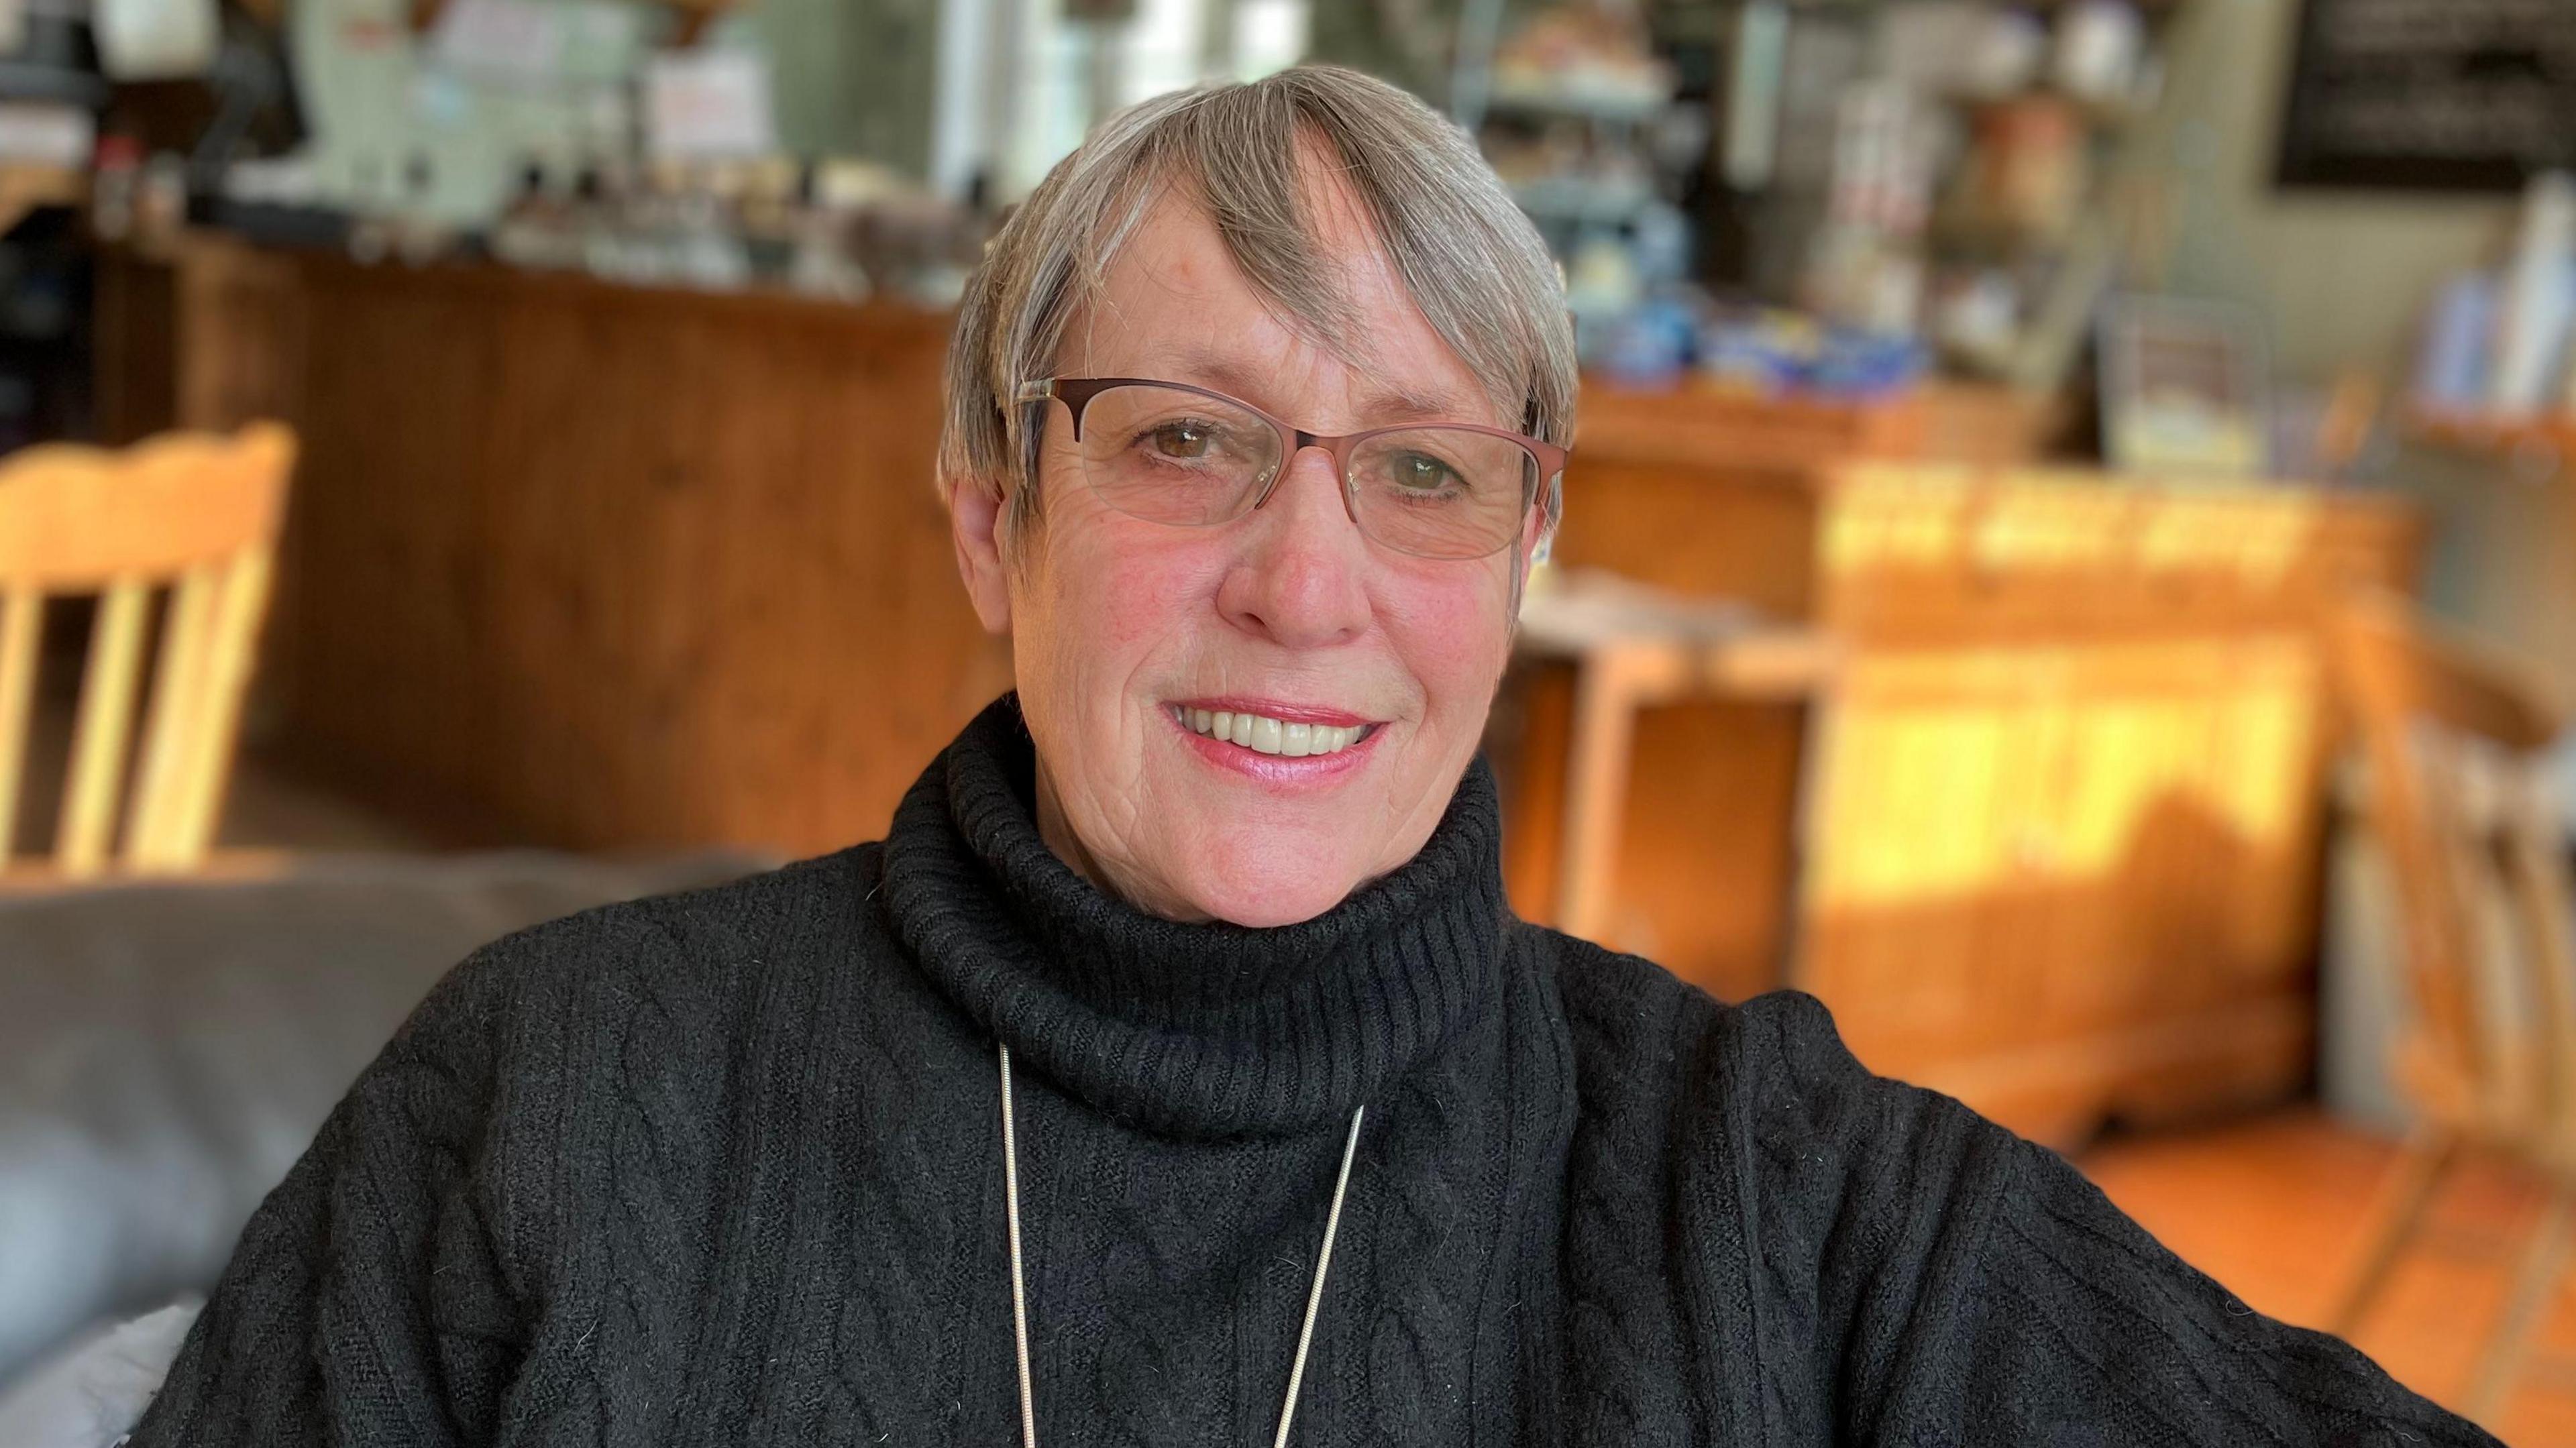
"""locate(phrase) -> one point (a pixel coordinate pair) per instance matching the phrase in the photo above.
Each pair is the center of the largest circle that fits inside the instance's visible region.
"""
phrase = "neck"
(1188, 1028)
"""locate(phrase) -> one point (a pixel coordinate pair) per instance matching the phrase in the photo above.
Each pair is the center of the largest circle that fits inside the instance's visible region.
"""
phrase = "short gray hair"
(1470, 259)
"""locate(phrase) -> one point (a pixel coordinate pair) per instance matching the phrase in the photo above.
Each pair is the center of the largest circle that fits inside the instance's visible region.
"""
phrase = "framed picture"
(2186, 387)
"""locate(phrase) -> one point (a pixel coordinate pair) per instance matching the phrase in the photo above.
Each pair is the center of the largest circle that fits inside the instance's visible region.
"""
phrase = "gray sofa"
(167, 1050)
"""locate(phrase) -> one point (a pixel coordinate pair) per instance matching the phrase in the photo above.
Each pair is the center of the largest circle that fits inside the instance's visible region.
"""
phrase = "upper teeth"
(1265, 735)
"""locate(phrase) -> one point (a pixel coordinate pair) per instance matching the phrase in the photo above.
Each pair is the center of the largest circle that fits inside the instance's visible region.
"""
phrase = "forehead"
(1172, 305)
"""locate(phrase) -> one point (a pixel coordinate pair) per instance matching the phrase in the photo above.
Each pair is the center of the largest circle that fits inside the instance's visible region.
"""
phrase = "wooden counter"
(575, 563)
(1708, 492)
(2051, 841)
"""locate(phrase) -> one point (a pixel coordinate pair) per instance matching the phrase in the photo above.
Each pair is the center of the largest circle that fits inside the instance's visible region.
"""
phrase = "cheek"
(1105, 606)
(1453, 633)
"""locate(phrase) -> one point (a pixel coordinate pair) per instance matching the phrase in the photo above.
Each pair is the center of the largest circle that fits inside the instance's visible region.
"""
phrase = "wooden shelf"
(2540, 437)
(1701, 424)
(2102, 113)
(24, 188)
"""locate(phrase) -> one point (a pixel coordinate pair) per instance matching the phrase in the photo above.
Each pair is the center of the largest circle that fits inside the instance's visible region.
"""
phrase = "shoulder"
(1806, 1197)
(755, 912)
(1639, 1029)
(683, 962)
(710, 933)
(626, 1040)
(1763, 1093)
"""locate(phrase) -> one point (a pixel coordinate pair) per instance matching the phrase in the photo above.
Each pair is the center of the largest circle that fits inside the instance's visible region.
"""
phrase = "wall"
(379, 99)
(2341, 276)
(848, 77)
(851, 77)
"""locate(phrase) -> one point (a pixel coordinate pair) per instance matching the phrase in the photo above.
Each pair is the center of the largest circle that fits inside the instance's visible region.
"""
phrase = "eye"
(1186, 439)
(1422, 473)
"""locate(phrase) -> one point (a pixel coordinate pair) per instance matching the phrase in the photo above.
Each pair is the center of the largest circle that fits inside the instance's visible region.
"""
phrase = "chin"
(1262, 898)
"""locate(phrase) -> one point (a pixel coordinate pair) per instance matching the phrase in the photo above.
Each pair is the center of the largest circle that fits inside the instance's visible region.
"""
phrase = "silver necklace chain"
(1020, 1292)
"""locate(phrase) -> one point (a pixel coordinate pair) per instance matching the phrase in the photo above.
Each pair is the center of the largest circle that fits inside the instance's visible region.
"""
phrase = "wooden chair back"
(192, 517)
(2458, 800)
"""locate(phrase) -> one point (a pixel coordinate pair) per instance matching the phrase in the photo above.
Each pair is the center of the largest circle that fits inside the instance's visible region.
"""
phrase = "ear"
(974, 524)
(1538, 541)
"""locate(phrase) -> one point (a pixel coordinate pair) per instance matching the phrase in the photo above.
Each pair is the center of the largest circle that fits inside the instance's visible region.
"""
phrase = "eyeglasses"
(1169, 453)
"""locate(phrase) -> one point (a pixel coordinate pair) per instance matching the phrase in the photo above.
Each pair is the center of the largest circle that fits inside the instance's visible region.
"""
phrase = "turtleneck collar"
(1190, 1030)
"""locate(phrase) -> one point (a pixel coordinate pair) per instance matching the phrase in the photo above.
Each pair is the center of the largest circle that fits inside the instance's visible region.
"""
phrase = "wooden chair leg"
(2396, 1211)
(1596, 796)
(2535, 1286)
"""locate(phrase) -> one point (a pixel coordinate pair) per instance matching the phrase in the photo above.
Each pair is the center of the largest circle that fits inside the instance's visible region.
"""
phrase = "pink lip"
(1275, 770)
(1285, 713)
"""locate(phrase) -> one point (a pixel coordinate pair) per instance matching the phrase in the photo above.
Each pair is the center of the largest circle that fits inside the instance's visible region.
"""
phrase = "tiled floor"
(2273, 1207)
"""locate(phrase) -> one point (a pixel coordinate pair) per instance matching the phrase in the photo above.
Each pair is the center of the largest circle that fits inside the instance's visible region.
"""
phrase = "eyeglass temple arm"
(1035, 391)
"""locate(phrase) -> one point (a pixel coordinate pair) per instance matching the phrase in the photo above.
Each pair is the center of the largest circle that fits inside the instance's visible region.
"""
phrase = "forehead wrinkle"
(1133, 209)
(1338, 233)
(1379, 400)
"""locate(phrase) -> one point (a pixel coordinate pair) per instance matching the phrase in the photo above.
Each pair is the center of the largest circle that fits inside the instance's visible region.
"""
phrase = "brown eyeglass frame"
(1076, 394)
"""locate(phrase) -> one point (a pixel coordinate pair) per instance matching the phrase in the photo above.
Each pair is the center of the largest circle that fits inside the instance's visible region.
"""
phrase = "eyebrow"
(1380, 402)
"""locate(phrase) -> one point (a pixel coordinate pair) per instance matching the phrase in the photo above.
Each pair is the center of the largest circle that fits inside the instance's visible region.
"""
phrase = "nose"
(1300, 579)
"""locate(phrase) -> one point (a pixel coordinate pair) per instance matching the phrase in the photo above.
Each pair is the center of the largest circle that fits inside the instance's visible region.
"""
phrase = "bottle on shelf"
(536, 230)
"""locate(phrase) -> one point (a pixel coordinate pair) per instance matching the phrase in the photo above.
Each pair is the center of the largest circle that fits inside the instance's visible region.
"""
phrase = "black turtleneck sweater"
(726, 1168)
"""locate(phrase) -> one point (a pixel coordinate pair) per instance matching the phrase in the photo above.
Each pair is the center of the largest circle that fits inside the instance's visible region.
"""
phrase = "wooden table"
(1633, 647)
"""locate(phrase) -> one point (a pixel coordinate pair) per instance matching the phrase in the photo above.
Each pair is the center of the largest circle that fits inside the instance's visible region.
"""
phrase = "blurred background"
(2070, 555)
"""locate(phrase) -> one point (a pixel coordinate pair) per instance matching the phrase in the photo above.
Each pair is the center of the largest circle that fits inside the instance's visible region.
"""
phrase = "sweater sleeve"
(2079, 1328)
(1975, 1289)
(365, 1302)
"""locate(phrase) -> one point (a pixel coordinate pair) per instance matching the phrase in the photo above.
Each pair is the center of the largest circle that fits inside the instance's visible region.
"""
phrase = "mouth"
(1280, 731)
(1276, 745)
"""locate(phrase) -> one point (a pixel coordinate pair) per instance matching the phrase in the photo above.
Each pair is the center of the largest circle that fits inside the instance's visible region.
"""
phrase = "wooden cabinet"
(2056, 880)
(2055, 846)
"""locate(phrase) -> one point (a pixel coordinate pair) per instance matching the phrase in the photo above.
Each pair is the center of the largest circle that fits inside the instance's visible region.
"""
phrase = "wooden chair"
(196, 515)
(2486, 1053)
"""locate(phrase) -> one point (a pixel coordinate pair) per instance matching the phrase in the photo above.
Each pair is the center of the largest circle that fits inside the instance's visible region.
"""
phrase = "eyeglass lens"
(1173, 456)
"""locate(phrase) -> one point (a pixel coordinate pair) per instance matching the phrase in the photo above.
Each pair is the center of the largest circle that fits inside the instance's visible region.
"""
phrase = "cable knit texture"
(725, 1168)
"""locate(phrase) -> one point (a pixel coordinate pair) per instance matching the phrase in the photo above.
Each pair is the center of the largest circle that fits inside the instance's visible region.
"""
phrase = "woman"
(1173, 1073)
